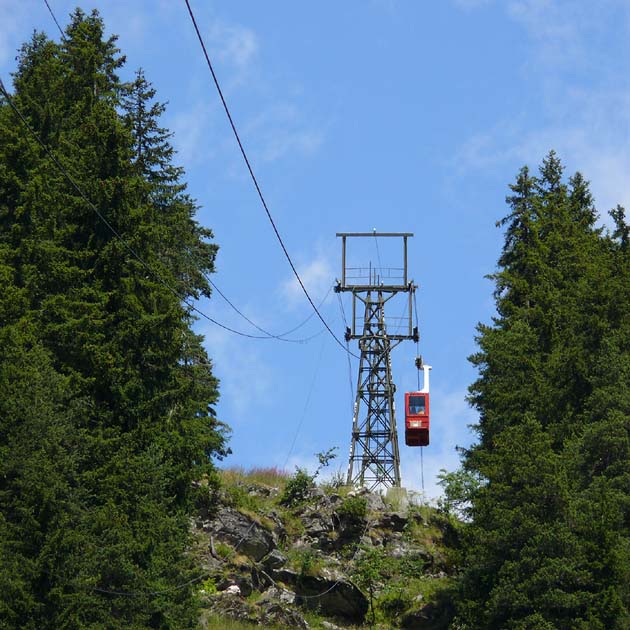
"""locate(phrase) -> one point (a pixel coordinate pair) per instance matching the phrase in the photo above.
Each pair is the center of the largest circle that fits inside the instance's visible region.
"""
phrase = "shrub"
(352, 513)
(307, 562)
(208, 587)
(297, 488)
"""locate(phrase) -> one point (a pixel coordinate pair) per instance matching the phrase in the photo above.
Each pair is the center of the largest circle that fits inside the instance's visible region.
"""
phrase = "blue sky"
(387, 114)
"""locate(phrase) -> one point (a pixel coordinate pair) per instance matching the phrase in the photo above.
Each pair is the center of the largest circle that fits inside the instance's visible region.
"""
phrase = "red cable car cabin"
(417, 418)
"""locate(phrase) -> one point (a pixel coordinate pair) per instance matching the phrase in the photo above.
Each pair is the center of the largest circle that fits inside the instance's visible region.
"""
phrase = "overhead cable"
(256, 184)
(278, 337)
(306, 404)
(112, 229)
(281, 336)
(63, 36)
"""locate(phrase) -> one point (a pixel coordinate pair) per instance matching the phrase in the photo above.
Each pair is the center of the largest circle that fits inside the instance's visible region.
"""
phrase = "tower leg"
(374, 457)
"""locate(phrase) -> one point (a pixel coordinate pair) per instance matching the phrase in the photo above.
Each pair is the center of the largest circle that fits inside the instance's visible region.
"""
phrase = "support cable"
(350, 380)
(306, 404)
(281, 336)
(112, 229)
(256, 184)
(415, 308)
(63, 36)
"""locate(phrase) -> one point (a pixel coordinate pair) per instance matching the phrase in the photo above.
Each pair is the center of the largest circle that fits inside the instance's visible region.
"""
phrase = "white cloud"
(317, 276)
(588, 144)
(190, 132)
(280, 130)
(241, 370)
(585, 94)
(236, 44)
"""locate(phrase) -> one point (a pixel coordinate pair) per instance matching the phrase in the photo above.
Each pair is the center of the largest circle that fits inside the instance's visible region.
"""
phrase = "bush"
(352, 513)
(307, 562)
(208, 587)
(206, 495)
(297, 488)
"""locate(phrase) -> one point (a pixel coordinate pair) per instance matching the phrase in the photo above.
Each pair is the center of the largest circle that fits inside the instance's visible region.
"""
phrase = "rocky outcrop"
(241, 532)
(271, 565)
(334, 595)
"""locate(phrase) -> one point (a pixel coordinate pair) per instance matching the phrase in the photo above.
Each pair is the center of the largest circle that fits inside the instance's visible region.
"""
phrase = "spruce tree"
(119, 419)
(547, 545)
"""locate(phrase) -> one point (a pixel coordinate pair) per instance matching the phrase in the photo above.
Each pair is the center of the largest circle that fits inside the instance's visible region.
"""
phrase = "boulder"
(276, 594)
(242, 581)
(274, 560)
(375, 502)
(231, 607)
(317, 526)
(241, 532)
(393, 521)
(274, 613)
(431, 616)
(233, 589)
(331, 596)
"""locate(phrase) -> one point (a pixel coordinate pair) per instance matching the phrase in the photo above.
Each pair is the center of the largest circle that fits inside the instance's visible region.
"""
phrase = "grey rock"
(276, 594)
(231, 607)
(241, 532)
(244, 582)
(426, 618)
(282, 615)
(274, 560)
(335, 598)
(316, 524)
(286, 576)
(394, 521)
(375, 502)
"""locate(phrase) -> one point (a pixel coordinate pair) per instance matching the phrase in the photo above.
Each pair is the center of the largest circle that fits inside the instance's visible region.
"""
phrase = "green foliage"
(223, 550)
(352, 513)
(369, 568)
(208, 587)
(306, 561)
(336, 484)
(324, 458)
(272, 477)
(297, 488)
(106, 395)
(458, 487)
(546, 487)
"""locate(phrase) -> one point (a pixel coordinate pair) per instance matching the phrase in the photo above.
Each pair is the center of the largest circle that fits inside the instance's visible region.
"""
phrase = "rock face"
(232, 606)
(241, 532)
(332, 598)
(270, 564)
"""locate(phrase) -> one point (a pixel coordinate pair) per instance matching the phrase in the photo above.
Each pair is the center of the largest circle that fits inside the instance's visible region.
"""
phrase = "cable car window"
(417, 405)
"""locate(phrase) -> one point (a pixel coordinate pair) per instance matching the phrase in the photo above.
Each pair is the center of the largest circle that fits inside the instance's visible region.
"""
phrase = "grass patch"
(272, 476)
(222, 623)
(307, 561)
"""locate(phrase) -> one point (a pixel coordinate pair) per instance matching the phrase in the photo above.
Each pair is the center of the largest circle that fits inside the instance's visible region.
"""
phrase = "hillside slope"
(283, 552)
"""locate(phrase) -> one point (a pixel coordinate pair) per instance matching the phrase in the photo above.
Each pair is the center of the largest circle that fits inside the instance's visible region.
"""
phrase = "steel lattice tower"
(374, 457)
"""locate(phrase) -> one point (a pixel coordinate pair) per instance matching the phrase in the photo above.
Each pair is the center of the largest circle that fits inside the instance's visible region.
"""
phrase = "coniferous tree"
(107, 404)
(547, 545)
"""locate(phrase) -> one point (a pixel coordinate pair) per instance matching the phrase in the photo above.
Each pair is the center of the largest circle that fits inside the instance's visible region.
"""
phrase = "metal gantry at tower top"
(374, 460)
